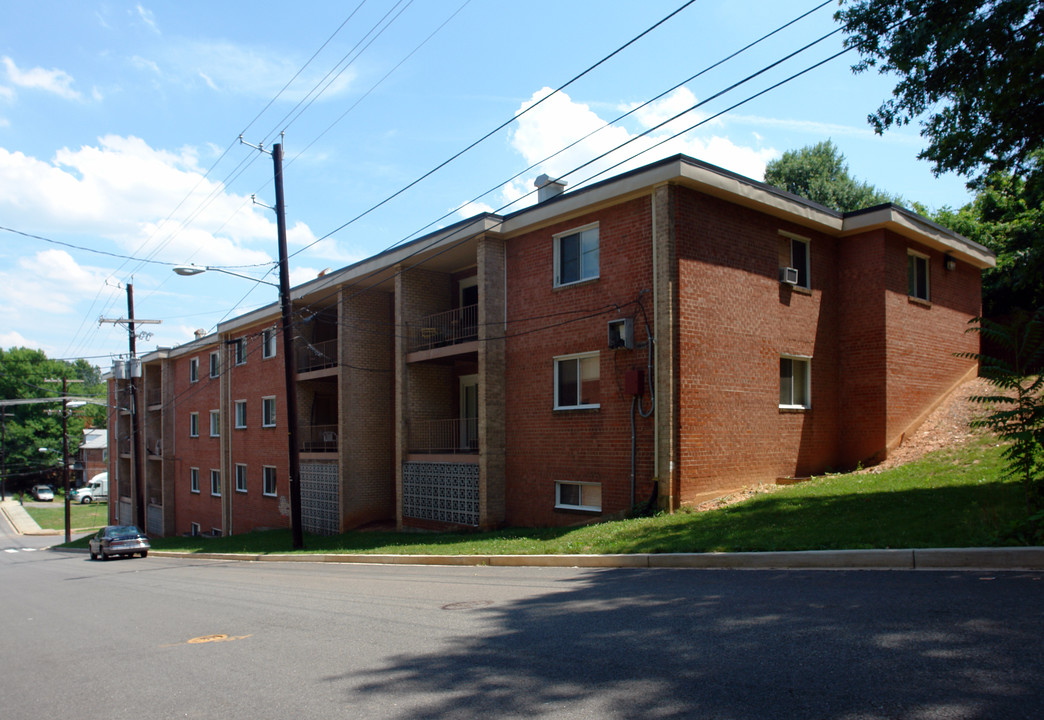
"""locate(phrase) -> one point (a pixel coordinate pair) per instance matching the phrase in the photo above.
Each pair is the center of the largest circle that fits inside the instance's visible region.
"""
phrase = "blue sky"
(119, 126)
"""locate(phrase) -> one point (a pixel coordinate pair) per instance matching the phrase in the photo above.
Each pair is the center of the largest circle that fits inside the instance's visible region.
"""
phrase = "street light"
(190, 270)
(290, 373)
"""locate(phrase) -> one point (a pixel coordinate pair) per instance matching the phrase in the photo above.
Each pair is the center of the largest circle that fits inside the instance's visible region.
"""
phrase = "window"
(576, 381)
(241, 478)
(794, 253)
(194, 424)
(794, 382)
(576, 256)
(194, 480)
(578, 496)
(194, 370)
(194, 529)
(268, 412)
(215, 423)
(215, 483)
(917, 275)
(215, 364)
(241, 350)
(268, 486)
(215, 532)
(268, 343)
(241, 414)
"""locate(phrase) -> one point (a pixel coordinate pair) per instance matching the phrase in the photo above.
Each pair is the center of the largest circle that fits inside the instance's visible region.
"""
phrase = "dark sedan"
(118, 540)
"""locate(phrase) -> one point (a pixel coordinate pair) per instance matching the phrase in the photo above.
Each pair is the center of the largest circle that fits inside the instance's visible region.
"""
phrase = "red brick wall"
(736, 320)
(923, 337)
(862, 340)
(257, 446)
(544, 445)
(203, 452)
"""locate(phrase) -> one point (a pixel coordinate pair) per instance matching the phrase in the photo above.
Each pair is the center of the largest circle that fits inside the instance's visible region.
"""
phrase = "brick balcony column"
(492, 382)
(665, 315)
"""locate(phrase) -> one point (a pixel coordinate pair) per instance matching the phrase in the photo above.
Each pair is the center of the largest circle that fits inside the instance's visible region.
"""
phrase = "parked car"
(118, 540)
(43, 493)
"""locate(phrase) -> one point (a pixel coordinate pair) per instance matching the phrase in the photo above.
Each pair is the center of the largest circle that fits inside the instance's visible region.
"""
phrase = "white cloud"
(14, 339)
(50, 282)
(147, 17)
(54, 81)
(123, 190)
(559, 134)
(6, 93)
(246, 70)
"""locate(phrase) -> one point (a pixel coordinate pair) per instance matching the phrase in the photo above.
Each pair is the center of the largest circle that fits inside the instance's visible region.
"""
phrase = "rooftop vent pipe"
(548, 188)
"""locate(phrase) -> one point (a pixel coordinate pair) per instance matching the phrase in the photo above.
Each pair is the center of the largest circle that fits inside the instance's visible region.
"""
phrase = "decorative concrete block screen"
(443, 492)
(320, 504)
(154, 520)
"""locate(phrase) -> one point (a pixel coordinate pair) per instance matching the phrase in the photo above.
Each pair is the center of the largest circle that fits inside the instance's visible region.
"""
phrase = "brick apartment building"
(667, 335)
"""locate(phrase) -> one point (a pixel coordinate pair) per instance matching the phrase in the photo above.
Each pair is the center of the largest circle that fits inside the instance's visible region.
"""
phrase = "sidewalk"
(20, 520)
(1000, 558)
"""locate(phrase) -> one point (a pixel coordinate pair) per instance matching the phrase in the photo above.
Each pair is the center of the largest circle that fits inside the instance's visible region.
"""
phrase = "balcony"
(446, 328)
(318, 438)
(316, 356)
(457, 436)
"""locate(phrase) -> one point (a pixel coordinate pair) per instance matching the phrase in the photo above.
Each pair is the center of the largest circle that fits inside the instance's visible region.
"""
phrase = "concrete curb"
(1013, 558)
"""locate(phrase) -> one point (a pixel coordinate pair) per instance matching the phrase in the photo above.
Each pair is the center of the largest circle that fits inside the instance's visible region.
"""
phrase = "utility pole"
(289, 354)
(137, 451)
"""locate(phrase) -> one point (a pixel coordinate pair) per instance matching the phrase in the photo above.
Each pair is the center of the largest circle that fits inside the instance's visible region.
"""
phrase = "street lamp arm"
(189, 270)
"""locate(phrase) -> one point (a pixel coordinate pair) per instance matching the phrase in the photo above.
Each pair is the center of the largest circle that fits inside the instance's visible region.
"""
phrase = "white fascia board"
(920, 230)
(690, 173)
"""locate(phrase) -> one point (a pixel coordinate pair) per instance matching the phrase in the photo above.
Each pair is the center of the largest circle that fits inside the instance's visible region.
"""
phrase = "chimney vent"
(548, 188)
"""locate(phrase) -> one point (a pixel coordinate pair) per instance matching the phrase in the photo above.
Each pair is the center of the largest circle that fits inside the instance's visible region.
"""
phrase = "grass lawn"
(952, 498)
(82, 517)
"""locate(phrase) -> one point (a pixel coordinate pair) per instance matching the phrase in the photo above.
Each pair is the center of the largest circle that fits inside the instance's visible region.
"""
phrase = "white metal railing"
(316, 356)
(438, 437)
(445, 328)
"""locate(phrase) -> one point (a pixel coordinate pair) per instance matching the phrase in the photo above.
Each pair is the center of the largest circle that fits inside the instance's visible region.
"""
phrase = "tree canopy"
(973, 69)
(28, 374)
(819, 172)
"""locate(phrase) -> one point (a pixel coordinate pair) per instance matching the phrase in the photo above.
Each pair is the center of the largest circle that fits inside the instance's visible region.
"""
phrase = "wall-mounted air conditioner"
(788, 275)
(621, 334)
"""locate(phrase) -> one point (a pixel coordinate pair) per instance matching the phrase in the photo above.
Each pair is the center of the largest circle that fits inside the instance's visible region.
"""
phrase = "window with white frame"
(796, 255)
(215, 364)
(576, 381)
(576, 255)
(795, 380)
(216, 532)
(268, 343)
(194, 424)
(268, 412)
(194, 480)
(215, 483)
(241, 414)
(194, 370)
(194, 529)
(215, 423)
(240, 350)
(268, 480)
(578, 496)
(917, 275)
(241, 478)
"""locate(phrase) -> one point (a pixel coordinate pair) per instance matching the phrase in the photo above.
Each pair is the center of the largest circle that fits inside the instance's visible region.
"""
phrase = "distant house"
(93, 454)
(667, 335)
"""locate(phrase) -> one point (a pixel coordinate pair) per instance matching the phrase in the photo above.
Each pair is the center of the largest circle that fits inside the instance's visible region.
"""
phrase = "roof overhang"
(914, 227)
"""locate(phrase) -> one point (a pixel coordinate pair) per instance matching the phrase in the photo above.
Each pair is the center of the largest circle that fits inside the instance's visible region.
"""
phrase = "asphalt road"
(165, 638)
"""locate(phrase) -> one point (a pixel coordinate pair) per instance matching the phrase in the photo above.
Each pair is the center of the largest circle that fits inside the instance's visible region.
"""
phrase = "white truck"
(96, 490)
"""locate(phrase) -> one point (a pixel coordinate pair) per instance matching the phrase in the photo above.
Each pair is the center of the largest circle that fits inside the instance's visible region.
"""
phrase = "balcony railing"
(445, 328)
(318, 438)
(153, 396)
(443, 437)
(316, 356)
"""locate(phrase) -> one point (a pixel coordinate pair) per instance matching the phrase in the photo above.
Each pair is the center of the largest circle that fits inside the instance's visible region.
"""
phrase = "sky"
(120, 126)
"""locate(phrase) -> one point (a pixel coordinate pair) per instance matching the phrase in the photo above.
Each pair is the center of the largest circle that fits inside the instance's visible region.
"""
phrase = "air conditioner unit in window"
(788, 275)
(621, 334)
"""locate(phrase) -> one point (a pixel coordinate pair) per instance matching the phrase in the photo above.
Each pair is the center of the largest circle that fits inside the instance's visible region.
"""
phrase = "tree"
(1007, 216)
(973, 68)
(819, 173)
(1017, 408)
(27, 428)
